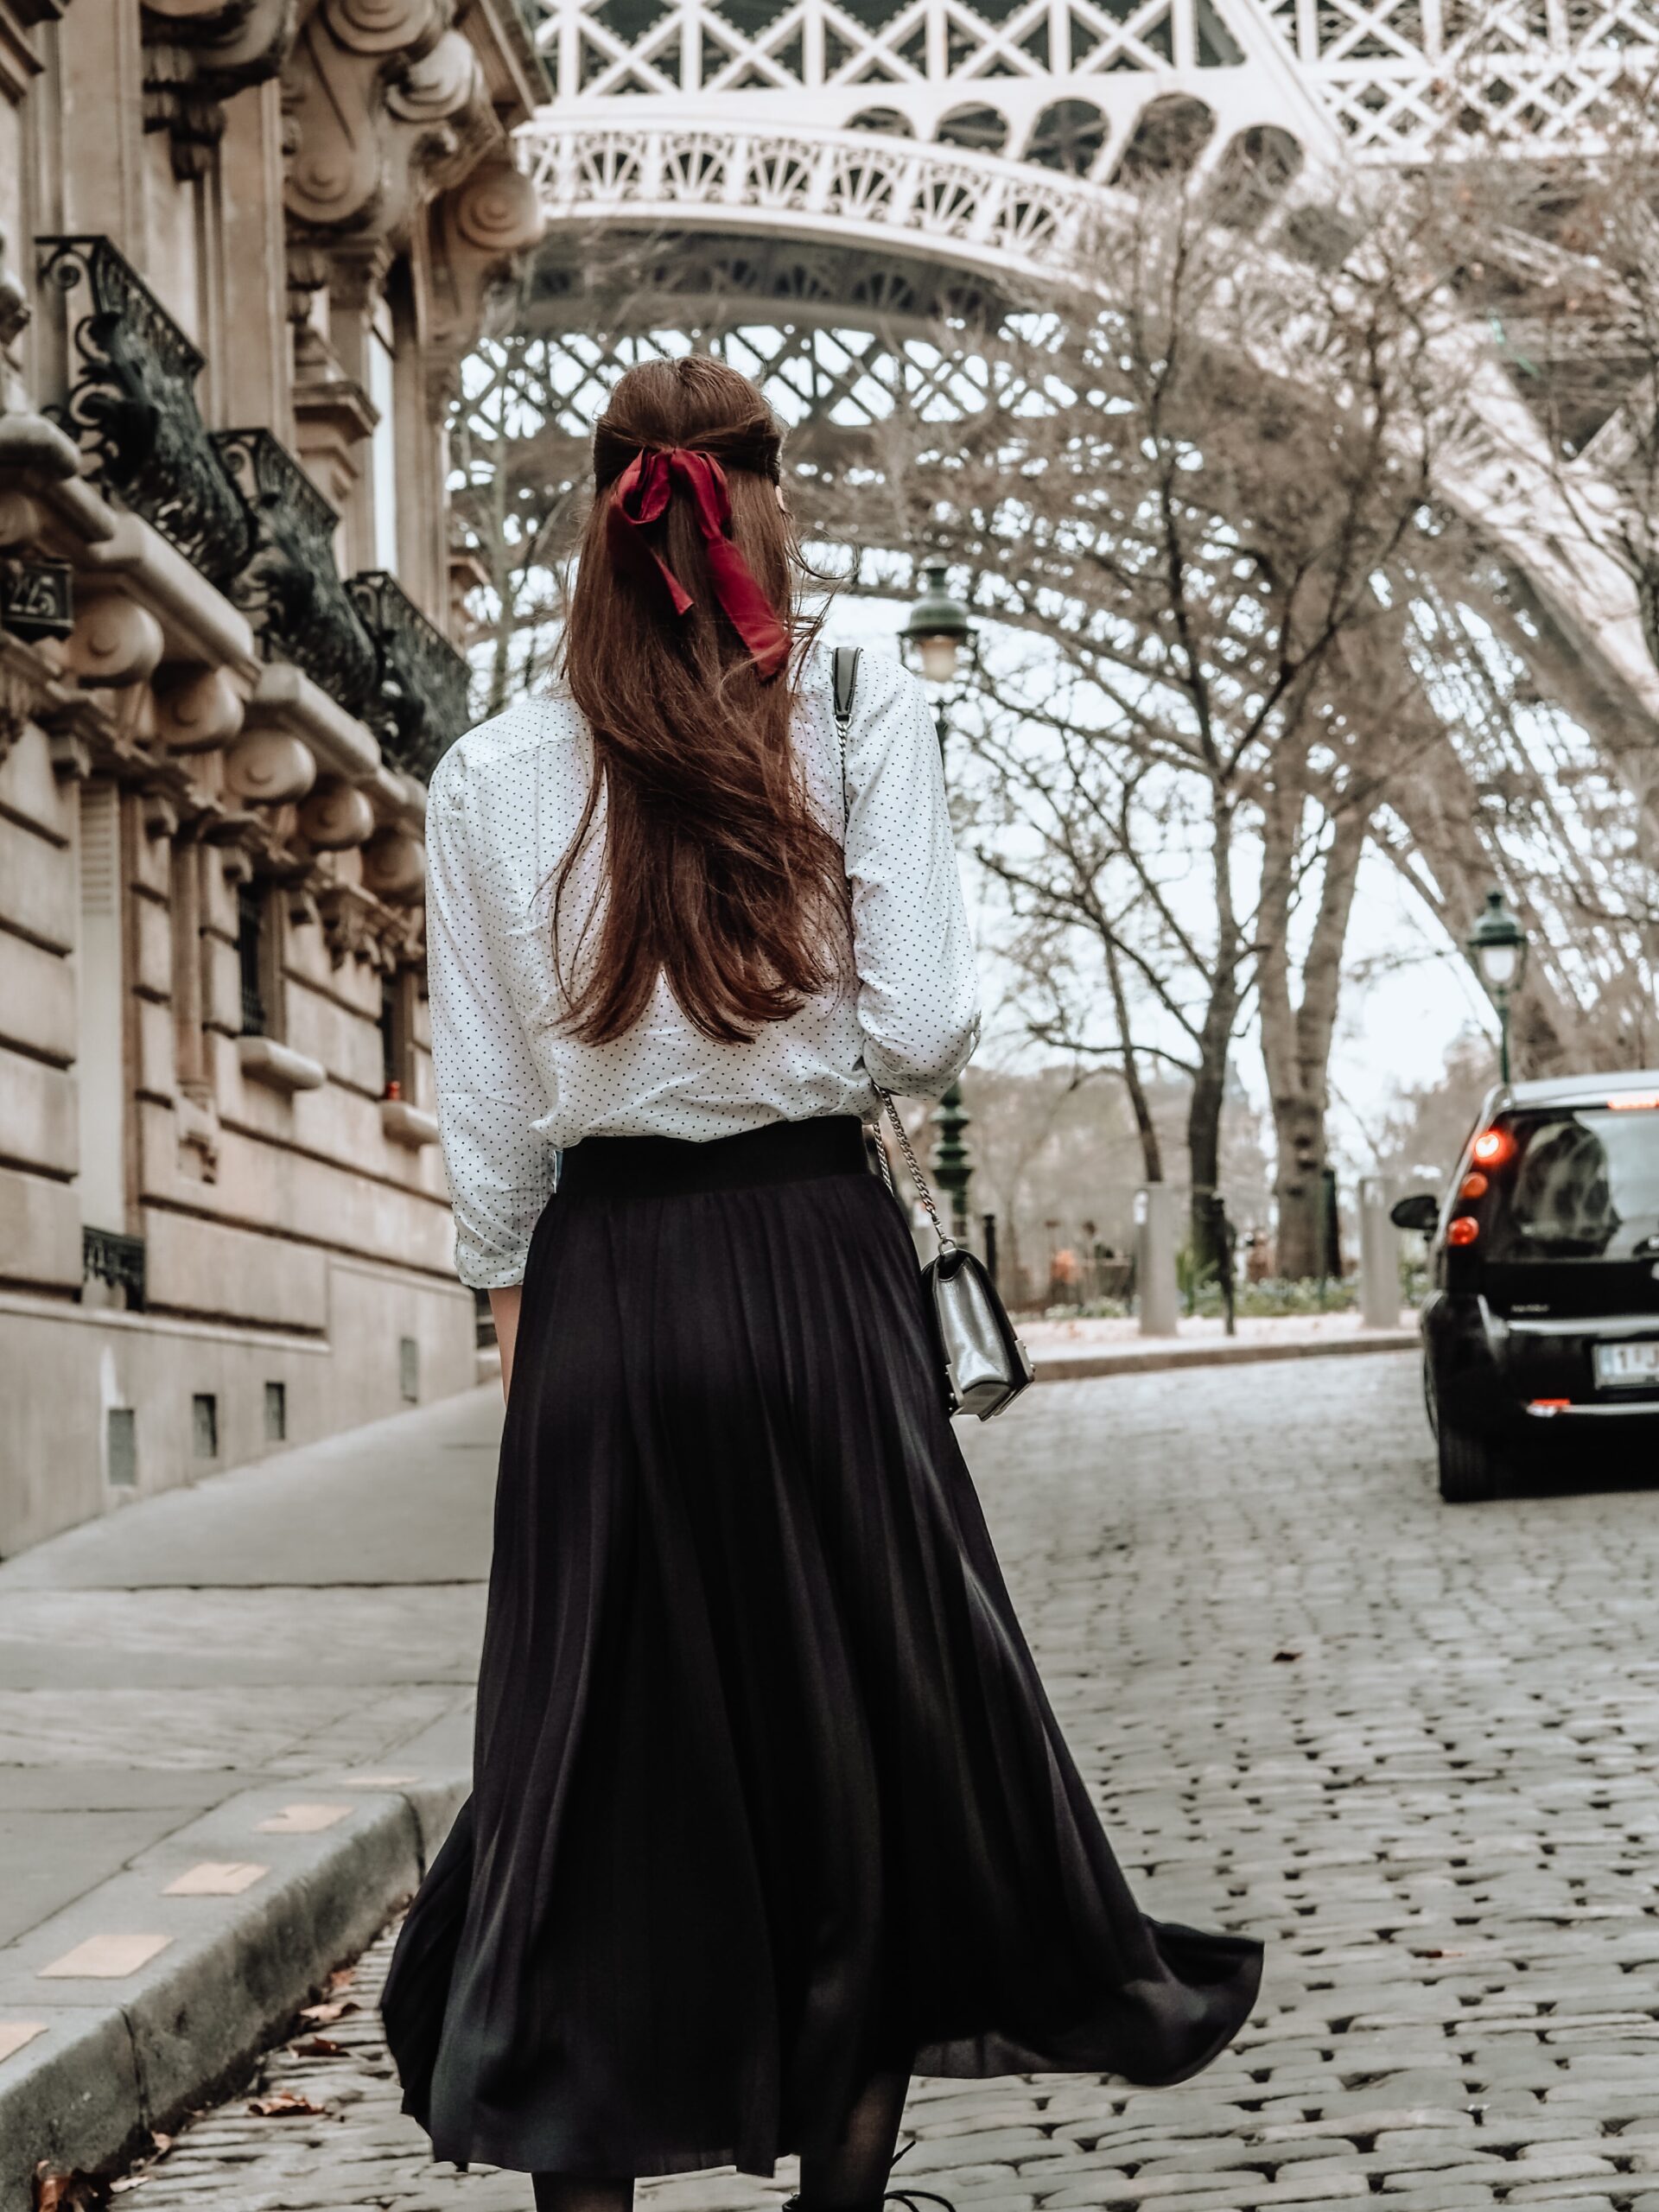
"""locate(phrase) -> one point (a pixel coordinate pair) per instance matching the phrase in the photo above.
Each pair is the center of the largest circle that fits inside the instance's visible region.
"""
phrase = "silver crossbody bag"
(986, 1366)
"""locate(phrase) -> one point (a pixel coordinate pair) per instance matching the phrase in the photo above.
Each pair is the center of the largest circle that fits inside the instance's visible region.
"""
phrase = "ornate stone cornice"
(387, 105)
(197, 54)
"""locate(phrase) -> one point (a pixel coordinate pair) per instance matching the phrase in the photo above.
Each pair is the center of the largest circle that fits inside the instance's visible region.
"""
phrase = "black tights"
(849, 2178)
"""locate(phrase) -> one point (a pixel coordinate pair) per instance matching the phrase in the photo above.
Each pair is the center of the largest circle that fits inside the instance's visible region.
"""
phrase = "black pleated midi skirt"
(767, 1794)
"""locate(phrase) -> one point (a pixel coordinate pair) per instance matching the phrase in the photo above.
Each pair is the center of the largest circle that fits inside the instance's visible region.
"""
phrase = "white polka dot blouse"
(514, 1087)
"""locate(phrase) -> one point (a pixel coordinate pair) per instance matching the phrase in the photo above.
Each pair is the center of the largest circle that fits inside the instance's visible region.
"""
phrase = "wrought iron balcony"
(108, 1256)
(132, 406)
(291, 588)
(420, 705)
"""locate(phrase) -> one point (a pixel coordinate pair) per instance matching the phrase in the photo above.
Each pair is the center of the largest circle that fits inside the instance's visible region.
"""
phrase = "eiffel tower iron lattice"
(817, 189)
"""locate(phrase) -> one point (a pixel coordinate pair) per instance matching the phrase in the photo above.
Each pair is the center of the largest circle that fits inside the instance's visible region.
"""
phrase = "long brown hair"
(717, 875)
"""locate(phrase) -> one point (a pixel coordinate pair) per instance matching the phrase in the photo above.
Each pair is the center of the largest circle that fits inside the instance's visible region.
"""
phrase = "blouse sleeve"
(490, 1095)
(918, 985)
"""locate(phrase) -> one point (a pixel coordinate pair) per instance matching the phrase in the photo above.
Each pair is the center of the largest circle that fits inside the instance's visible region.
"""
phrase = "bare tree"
(1207, 482)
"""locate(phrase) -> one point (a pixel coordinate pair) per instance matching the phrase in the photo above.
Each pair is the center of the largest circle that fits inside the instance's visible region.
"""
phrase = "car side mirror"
(1421, 1210)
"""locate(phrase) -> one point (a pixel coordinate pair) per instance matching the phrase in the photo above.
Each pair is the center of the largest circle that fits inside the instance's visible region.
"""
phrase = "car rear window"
(1582, 1183)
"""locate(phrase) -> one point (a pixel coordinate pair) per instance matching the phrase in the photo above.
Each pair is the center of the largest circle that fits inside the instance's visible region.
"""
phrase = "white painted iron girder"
(710, 119)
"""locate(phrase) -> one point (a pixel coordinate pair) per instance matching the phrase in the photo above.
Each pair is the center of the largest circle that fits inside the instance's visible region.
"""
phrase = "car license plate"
(1629, 1365)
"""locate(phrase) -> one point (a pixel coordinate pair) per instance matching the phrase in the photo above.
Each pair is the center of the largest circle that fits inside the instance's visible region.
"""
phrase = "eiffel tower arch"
(814, 187)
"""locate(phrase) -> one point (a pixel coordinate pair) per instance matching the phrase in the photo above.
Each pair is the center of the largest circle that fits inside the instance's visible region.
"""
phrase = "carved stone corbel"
(202, 711)
(77, 731)
(336, 816)
(394, 867)
(386, 104)
(115, 643)
(270, 767)
(198, 53)
(71, 755)
(168, 800)
(480, 236)
(236, 864)
(354, 924)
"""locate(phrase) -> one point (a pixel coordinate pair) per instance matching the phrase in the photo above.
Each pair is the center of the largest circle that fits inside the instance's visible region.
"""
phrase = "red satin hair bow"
(640, 497)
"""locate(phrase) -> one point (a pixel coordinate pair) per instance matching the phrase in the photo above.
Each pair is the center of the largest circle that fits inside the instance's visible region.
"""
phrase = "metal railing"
(106, 1256)
(291, 589)
(419, 706)
(132, 405)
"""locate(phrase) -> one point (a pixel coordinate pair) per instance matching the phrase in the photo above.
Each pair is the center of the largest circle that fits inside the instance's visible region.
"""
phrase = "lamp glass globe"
(1499, 965)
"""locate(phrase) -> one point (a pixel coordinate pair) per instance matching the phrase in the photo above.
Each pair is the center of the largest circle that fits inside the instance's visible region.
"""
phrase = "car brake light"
(1548, 1405)
(1633, 1102)
(1474, 1185)
(1492, 1147)
(1462, 1231)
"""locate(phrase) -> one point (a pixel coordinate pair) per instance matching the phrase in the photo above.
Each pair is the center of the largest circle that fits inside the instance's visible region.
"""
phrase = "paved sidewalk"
(1071, 1351)
(177, 1677)
(317, 1613)
(1412, 1748)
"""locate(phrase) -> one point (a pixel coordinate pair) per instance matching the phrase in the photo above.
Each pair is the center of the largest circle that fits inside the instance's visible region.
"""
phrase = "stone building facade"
(247, 245)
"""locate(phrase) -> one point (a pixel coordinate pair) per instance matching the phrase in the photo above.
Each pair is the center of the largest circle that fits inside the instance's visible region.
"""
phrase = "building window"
(409, 1370)
(383, 449)
(100, 1075)
(189, 1047)
(250, 958)
(396, 1008)
(275, 1412)
(391, 1064)
(204, 1425)
(121, 1446)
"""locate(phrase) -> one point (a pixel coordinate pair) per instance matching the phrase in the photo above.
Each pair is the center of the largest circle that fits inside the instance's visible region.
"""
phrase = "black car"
(1541, 1322)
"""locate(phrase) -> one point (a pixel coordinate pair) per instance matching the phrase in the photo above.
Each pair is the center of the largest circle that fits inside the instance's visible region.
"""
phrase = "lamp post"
(937, 628)
(1498, 945)
(937, 631)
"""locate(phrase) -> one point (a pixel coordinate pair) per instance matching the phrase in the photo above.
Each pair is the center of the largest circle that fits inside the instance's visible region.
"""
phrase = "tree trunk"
(1296, 1043)
(1299, 1186)
(1152, 1158)
(1203, 1121)
(1215, 1050)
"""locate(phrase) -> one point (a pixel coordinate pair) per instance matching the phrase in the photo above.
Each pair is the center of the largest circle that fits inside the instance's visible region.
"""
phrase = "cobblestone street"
(1412, 1748)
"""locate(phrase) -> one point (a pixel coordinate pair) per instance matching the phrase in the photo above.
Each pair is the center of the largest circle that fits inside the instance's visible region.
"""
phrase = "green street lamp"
(939, 628)
(952, 1170)
(937, 631)
(1498, 945)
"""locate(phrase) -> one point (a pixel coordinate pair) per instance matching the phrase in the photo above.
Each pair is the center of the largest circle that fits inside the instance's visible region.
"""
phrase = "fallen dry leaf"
(285, 2104)
(73, 2192)
(160, 2143)
(318, 2047)
(342, 1977)
(324, 2016)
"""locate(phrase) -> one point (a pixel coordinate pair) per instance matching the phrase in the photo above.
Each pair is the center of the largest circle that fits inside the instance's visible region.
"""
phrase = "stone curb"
(116, 2058)
(1220, 1351)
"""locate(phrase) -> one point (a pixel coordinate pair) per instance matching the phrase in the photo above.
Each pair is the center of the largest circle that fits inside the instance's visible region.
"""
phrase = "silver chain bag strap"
(986, 1365)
